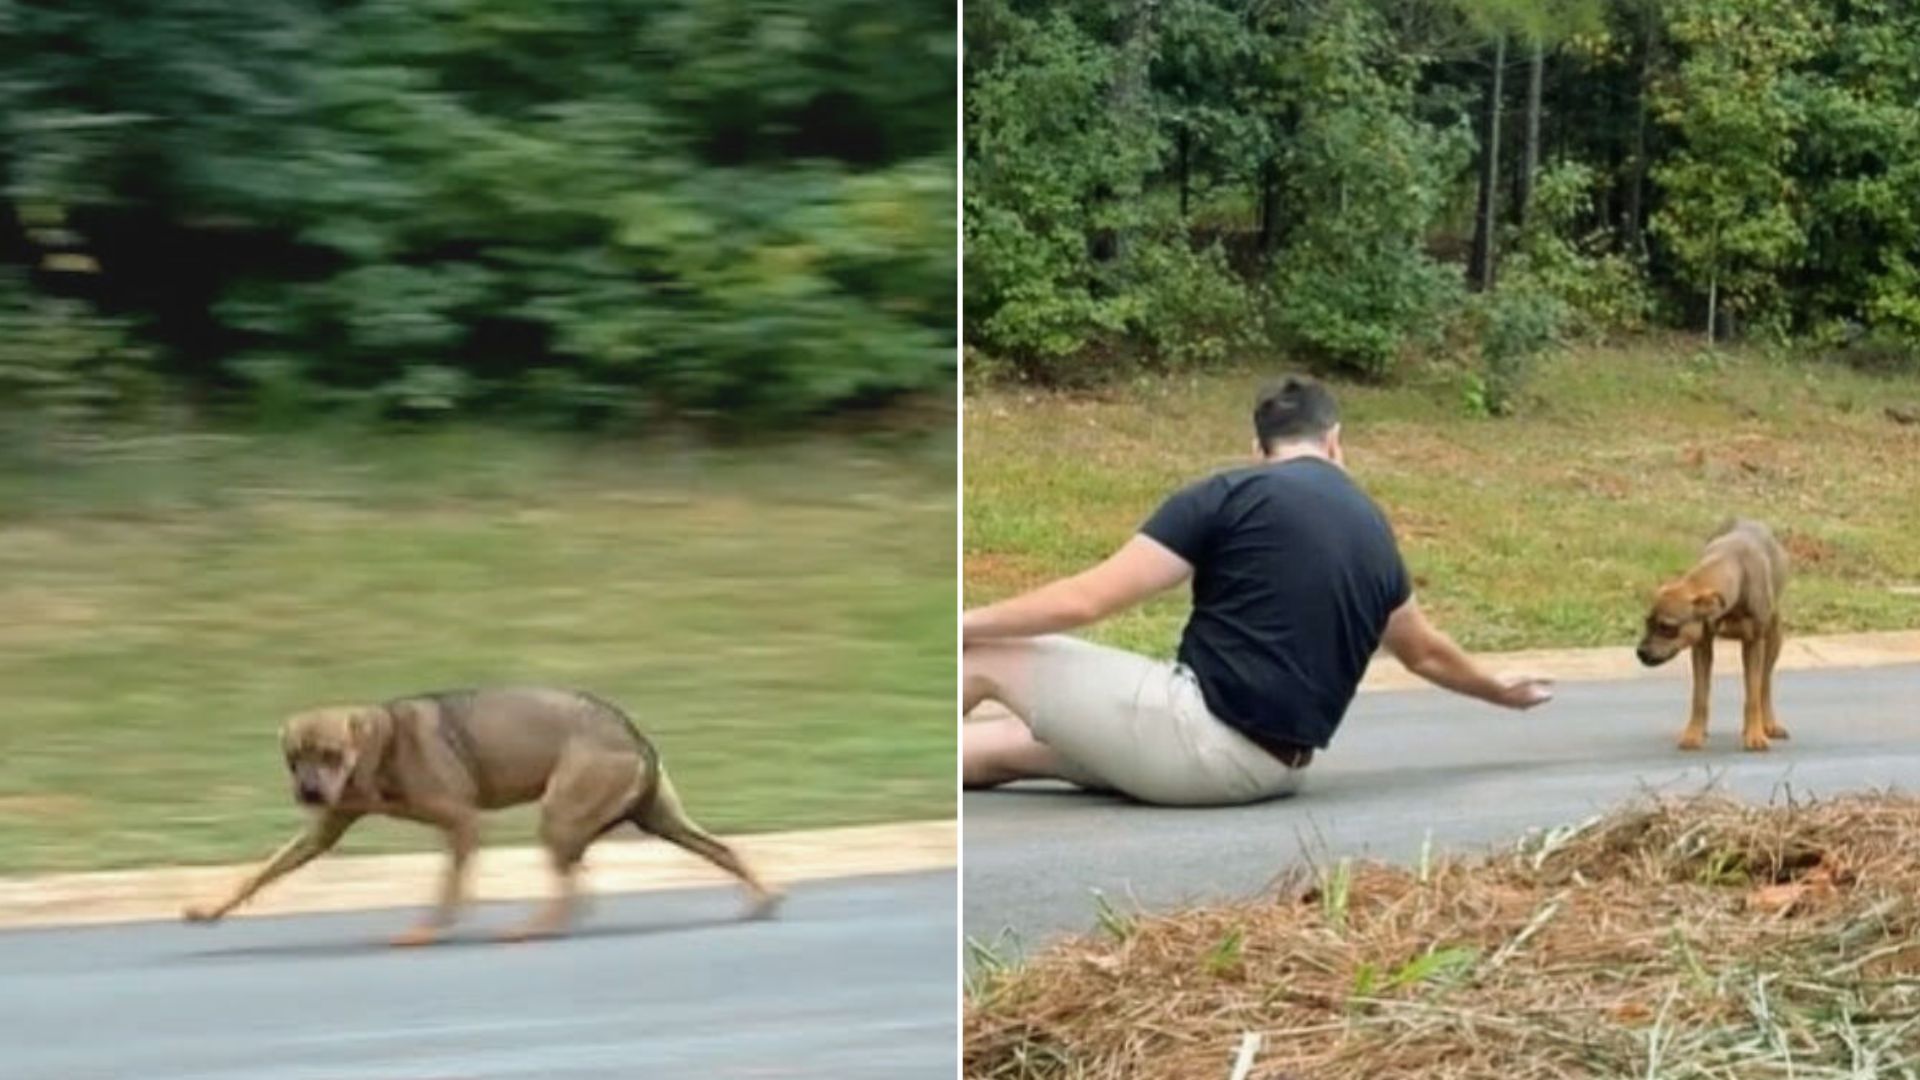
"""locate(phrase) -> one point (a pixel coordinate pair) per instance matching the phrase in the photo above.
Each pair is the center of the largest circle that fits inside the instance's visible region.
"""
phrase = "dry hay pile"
(1699, 938)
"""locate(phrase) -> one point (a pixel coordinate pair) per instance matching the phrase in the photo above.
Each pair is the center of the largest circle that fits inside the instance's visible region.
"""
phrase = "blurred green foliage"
(570, 212)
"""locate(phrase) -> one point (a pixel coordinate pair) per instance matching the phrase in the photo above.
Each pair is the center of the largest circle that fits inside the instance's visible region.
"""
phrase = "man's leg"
(1000, 751)
(995, 752)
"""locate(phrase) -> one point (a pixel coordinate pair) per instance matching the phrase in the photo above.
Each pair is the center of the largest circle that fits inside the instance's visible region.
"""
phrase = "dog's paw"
(415, 937)
(1693, 740)
(766, 904)
(1755, 741)
(531, 931)
(1775, 731)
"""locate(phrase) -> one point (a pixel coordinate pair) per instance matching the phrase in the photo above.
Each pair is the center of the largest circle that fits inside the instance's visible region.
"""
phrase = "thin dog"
(1732, 592)
(444, 758)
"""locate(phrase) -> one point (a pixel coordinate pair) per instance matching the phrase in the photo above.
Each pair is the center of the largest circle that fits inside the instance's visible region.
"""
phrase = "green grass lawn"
(781, 620)
(1544, 530)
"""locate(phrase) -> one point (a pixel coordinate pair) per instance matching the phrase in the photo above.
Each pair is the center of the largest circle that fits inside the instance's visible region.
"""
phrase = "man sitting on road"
(1297, 581)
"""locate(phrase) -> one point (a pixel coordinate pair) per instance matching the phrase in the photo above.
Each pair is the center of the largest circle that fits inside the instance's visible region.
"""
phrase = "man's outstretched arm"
(1432, 655)
(1141, 568)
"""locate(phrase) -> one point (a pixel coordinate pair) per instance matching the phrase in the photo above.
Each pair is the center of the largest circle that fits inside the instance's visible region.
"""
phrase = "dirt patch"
(37, 616)
(1411, 523)
(1743, 455)
(1708, 937)
(41, 808)
(1605, 485)
(1405, 449)
(992, 570)
(1806, 549)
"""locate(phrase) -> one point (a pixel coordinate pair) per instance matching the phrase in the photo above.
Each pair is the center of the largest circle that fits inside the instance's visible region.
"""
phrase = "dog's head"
(324, 748)
(1682, 614)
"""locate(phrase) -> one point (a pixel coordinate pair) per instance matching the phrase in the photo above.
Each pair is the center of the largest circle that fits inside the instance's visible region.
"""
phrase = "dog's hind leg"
(1775, 638)
(1695, 735)
(587, 794)
(664, 817)
(1753, 663)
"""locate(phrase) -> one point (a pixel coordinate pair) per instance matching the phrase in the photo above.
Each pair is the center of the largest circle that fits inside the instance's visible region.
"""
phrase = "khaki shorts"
(1122, 722)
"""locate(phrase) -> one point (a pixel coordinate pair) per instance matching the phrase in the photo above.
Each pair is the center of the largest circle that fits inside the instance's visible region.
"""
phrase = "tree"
(1732, 214)
(1858, 162)
(1480, 269)
(1356, 284)
(1544, 27)
(1310, 167)
(1538, 26)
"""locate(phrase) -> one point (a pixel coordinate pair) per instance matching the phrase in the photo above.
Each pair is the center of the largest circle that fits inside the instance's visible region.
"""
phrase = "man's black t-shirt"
(1295, 574)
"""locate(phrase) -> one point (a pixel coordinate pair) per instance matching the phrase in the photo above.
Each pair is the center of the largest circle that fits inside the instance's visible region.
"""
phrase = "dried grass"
(1678, 938)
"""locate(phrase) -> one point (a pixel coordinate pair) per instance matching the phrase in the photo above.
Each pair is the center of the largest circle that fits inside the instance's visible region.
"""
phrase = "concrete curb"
(1864, 650)
(377, 881)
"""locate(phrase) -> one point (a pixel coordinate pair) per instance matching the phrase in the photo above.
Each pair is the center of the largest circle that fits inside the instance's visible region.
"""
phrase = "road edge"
(1862, 650)
(365, 882)
(1881, 648)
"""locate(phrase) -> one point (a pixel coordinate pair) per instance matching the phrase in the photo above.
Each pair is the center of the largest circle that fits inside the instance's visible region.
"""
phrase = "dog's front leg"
(1753, 662)
(1695, 735)
(463, 837)
(324, 832)
(1775, 638)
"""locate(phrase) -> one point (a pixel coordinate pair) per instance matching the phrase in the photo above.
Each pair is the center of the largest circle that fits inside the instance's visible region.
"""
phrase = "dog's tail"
(650, 776)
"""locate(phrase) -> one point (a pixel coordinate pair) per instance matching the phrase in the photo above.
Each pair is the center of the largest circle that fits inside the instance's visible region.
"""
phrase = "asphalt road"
(1417, 763)
(855, 979)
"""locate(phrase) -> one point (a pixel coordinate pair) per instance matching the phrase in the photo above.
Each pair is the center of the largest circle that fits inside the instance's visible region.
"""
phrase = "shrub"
(1358, 312)
(1366, 181)
(62, 365)
(1193, 309)
(1603, 291)
(1041, 184)
(1515, 324)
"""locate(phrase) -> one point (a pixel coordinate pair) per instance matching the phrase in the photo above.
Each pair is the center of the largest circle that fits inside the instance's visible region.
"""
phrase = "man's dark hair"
(1292, 409)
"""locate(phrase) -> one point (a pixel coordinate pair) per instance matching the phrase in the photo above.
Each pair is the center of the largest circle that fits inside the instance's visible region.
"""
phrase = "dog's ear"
(1709, 604)
(370, 729)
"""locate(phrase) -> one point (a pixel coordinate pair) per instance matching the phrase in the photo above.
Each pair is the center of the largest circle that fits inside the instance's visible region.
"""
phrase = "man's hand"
(1433, 656)
(1525, 691)
(1141, 568)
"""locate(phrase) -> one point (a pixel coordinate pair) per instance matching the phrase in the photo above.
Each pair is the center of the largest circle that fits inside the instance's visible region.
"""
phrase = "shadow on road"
(350, 944)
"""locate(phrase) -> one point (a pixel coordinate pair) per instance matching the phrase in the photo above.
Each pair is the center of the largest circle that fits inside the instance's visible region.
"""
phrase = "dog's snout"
(308, 788)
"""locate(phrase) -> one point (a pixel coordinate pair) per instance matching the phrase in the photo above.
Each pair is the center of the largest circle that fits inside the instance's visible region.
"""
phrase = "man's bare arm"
(1432, 655)
(1141, 568)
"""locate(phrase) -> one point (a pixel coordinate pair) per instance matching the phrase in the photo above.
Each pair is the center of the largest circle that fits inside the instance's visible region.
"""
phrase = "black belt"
(1292, 755)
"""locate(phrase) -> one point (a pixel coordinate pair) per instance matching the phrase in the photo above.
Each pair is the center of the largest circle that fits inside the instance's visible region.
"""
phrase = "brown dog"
(443, 758)
(1732, 592)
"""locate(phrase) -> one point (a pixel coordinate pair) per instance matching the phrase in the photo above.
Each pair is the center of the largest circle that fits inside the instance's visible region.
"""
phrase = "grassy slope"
(783, 623)
(1546, 530)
